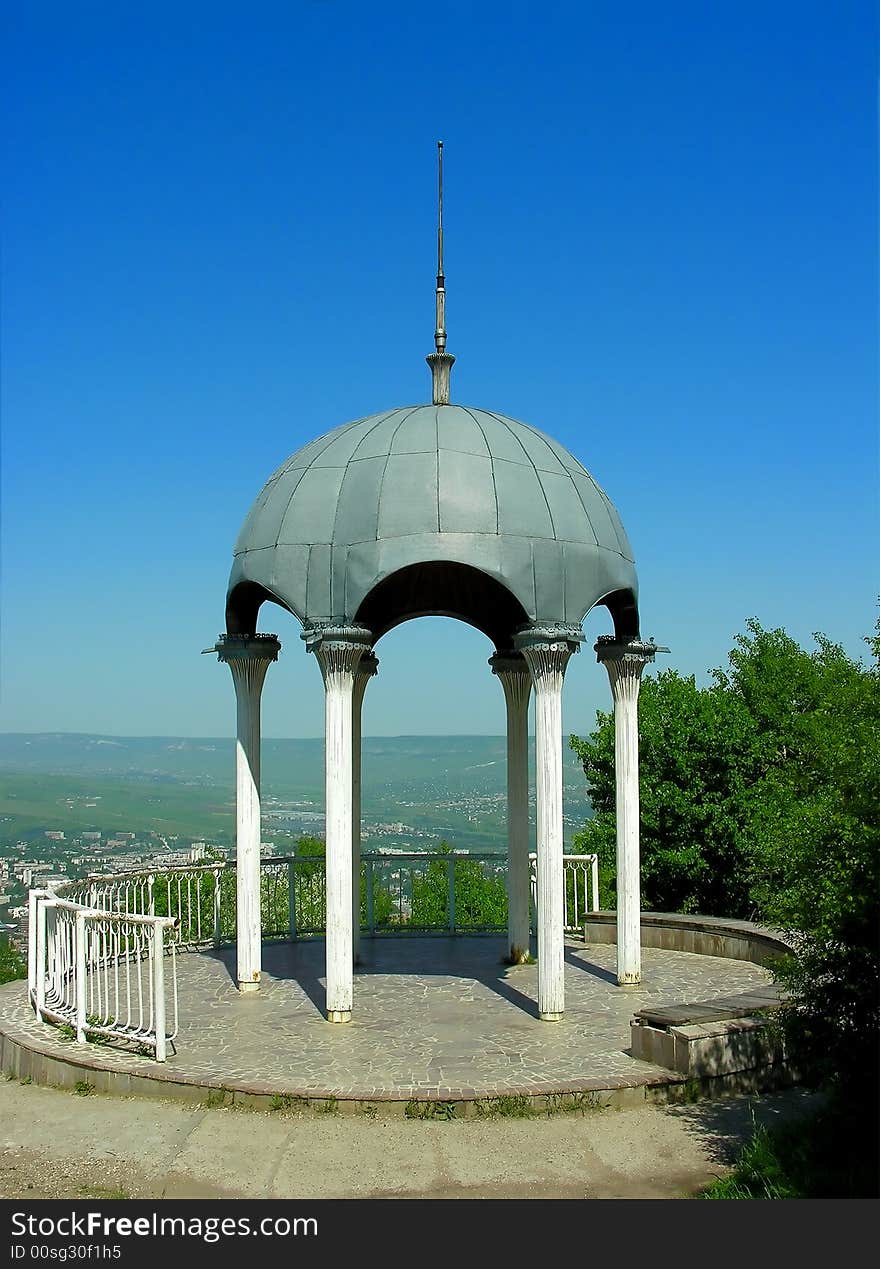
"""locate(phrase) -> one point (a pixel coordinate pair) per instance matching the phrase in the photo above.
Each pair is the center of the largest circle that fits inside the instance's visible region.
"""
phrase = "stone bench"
(709, 1038)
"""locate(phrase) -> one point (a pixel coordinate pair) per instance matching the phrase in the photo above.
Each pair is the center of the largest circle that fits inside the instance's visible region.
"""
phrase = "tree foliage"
(480, 898)
(759, 796)
(12, 965)
(697, 772)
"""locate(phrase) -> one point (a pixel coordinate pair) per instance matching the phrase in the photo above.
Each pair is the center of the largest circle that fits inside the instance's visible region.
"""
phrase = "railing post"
(159, 990)
(151, 895)
(33, 910)
(52, 970)
(594, 878)
(533, 891)
(40, 958)
(217, 931)
(291, 898)
(450, 889)
(371, 915)
(80, 972)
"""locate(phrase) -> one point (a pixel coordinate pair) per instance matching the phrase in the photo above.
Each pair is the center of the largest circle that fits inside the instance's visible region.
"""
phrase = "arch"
(243, 605)
(624, 609)
(443, 588)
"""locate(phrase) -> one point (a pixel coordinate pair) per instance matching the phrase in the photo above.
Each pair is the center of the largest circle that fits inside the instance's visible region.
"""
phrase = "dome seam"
(408, 414)
(587, 515)
(345, 468)
(437, 442)
(491, 465)
(366, 436)
(333, 435)
(500, 419)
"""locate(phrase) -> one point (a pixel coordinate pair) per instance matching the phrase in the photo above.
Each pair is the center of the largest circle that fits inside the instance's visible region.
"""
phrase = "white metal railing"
(581, 877)
(102, 972)
(102, 951)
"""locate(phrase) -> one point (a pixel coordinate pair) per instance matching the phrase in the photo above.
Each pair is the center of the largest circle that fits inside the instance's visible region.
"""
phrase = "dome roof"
(391, 495)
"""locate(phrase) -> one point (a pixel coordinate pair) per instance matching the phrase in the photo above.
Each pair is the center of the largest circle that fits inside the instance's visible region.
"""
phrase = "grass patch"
(288, 1101)
(509, 1106)
(82, 1088)
(217, 1097)
(415, 1109)
(328, 1107)
(573, 1103)
(103, 1192)
(686, 1093)
(830, 1154)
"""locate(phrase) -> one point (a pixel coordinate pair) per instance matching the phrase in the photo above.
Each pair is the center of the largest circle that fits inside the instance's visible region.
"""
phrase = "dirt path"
(55, 1144)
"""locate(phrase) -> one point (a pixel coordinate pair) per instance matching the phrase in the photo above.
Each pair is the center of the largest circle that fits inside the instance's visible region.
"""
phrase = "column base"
(248, 989)
(339, 1015)
(629, 980)
(551, 1017)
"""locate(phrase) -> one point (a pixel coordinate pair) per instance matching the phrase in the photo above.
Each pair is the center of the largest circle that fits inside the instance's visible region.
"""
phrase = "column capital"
(515, 675)
(338, 649)
(547, 650)
(548, 637)
(635, 651)
(368, 666)
(508, 663)
(320, 635)
(246, 647)
(365, 669)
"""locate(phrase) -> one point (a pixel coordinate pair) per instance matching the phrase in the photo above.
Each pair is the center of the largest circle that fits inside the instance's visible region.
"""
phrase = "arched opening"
(624, 609)
(443, 588)
(243, 605)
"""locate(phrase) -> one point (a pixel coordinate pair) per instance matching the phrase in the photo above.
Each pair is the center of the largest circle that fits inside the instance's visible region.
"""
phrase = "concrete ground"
(56, 1144)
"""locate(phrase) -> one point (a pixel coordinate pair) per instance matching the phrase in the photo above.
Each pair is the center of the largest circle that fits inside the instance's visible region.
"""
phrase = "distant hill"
(443, 786)
(463, 763)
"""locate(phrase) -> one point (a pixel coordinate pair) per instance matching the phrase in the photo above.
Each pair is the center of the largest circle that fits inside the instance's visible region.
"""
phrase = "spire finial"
(439, 215)
(440, 360)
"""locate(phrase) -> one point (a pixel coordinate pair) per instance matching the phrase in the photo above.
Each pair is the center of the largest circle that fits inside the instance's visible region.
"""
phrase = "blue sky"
(219, 242)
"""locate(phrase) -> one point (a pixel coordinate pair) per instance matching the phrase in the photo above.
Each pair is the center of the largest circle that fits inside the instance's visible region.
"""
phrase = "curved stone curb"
(592, 1068)
(704, 936)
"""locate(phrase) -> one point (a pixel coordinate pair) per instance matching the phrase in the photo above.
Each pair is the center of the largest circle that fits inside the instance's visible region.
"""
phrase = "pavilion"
(452, 511)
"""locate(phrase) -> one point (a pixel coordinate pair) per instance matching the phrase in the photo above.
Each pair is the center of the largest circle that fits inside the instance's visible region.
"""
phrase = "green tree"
(12, 965)
(759, 796)
(480, 897)
(816, 869)
(697, 774)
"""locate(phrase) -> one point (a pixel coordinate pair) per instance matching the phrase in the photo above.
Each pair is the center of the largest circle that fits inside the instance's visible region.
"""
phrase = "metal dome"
(433, 509)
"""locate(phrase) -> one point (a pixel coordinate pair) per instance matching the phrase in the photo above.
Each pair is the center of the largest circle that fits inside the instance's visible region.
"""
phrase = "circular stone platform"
(436, 1019)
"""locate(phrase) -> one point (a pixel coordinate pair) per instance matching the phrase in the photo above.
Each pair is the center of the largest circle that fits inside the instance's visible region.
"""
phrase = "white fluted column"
(248, 657)
(625, 661)
(547, 650)
(338, 650)
(368, 666)
(515, 677)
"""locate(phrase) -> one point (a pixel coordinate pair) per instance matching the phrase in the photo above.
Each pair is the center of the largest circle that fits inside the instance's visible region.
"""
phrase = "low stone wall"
(710, 1039)
(706, 936)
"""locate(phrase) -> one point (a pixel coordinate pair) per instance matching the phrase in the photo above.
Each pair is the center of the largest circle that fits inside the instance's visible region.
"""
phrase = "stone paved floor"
(433, 1017)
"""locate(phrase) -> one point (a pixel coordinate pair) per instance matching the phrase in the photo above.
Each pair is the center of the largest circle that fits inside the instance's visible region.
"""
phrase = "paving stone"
(431, 1016)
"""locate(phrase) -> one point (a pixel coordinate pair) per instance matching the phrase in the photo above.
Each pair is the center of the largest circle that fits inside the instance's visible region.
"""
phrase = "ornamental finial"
(440, 360)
